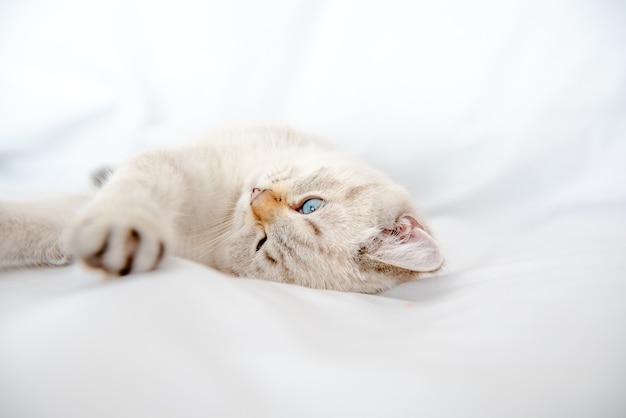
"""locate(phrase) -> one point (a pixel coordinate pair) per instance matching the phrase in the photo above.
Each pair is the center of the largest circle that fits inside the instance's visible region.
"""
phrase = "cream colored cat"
(265, 203)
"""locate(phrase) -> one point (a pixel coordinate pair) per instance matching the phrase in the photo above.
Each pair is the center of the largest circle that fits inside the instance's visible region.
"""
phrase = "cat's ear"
(407, 246)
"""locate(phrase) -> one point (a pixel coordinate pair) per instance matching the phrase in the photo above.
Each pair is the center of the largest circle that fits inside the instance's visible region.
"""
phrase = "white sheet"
(506, 121)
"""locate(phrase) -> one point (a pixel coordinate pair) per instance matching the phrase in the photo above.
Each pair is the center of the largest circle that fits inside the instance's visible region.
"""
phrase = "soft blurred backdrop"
(449, 87)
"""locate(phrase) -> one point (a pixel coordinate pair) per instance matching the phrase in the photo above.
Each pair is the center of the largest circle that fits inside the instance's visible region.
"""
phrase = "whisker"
(219, 224)
(208, 231)
(209, 246)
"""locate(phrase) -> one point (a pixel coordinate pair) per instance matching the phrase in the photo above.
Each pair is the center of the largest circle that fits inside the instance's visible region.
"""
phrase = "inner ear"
(407, 245)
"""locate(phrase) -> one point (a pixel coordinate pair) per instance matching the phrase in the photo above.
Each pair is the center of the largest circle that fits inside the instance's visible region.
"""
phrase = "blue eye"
(311, 206)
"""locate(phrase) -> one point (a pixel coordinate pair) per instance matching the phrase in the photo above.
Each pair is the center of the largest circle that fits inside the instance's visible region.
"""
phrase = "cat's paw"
(118, 241)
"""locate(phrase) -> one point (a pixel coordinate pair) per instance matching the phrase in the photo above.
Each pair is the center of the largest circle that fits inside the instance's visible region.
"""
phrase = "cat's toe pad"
(118, 244)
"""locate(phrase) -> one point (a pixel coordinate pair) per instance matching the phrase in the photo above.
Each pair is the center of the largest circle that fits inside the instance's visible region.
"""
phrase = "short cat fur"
(234, 201)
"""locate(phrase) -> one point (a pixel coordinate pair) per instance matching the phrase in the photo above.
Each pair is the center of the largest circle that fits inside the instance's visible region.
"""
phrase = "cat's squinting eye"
(261, 242)
(310, 206)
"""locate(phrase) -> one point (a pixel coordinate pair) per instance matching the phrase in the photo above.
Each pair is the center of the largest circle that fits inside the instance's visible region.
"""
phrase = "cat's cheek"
(235, 255)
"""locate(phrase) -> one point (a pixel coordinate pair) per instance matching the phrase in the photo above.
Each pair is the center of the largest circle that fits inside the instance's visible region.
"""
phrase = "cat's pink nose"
(256, 192)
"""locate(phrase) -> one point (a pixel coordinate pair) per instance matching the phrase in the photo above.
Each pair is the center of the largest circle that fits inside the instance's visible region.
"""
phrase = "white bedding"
(506, 121)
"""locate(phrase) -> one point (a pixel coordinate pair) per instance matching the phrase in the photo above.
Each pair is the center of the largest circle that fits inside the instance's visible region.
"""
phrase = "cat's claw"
(117, 242)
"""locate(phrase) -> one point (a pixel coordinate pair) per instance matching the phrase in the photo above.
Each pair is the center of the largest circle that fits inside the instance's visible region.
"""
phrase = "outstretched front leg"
(130, 225)
(31, 232)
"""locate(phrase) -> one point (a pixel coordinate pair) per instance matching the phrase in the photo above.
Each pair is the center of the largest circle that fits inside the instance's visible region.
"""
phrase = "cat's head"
(328, 225)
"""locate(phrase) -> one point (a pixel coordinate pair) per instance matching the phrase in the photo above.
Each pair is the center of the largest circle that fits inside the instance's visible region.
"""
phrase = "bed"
(505, 121)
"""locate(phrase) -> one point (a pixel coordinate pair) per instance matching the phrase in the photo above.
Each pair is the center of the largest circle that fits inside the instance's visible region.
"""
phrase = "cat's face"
(330, 226)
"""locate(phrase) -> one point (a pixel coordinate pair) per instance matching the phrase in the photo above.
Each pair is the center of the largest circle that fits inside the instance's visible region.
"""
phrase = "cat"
(267, 203)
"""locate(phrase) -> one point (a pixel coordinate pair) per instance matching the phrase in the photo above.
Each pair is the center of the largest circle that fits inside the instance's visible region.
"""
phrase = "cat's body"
(265, 203)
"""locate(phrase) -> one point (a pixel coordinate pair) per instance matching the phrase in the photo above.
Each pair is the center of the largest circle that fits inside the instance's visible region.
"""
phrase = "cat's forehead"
(322, 178)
